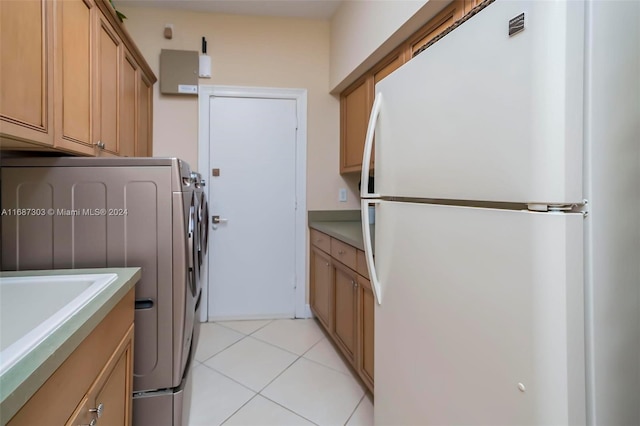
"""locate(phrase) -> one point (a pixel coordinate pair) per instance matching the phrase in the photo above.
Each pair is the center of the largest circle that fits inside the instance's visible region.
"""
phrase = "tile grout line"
(355, 409)
(229, 377)
(281, 373)
(233, 329)
(348, 373)
(221, 350)
(288, 409)
(239, 408)
(275, 346)
(264, 387)
(298, 357)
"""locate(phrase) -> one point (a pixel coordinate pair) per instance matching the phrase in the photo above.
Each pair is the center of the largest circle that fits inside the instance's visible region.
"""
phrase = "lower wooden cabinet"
(321, 297)
(95, 383)
(109, 399)
(346, 310)
(343, 302)
(366, 320)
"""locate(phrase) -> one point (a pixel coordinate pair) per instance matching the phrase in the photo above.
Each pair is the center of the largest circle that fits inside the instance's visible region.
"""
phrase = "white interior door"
(482, 316)
(252, 249)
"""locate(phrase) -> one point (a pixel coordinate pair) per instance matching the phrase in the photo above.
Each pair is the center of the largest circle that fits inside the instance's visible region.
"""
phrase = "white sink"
(31, 308)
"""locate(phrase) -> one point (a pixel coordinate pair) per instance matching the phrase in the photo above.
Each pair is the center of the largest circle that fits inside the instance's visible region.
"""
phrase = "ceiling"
(311, 9)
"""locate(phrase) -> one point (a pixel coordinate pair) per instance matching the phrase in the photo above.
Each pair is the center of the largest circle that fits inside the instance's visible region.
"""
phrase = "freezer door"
(481, 115)
(481, 320)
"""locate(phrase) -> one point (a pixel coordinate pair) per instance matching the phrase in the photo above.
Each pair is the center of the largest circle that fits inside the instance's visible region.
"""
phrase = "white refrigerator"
(507, 221)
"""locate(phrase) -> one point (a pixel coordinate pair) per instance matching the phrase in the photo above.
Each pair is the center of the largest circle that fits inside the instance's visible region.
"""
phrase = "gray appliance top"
(91, 162)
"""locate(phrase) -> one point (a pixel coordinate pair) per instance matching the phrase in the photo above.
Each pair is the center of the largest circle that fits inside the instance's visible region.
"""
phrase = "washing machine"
(117, 212)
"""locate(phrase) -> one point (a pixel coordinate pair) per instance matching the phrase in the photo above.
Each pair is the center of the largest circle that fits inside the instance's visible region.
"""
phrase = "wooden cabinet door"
(26, 72)
(321, 286)
(108, 401)
(145, 116)
(366, 318)
(355, 107)
(128, 111)
(345, 310)
(470, 4)
(74, 70)
(115, 395)
(108, 56)
(392, 63)
(82, 416)
(437, 25)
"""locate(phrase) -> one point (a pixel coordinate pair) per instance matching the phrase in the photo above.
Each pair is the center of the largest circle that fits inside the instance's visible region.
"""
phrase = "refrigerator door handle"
(368, 249)
(368, 148)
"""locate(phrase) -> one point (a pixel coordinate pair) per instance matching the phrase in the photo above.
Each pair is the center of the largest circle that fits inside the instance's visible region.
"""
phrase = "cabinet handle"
(92, 422)
(97, 410)
(340, 252)
(356, 286)
(326, 264)
(100, 144)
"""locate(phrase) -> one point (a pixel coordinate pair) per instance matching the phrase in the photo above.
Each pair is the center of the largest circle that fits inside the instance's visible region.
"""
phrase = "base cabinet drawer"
(320, 240)
(343, 253)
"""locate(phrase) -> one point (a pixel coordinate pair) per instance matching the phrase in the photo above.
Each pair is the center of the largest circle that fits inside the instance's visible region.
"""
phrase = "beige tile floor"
(274, 372)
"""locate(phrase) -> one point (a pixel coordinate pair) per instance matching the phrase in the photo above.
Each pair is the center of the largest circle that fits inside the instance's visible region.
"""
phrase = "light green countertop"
(349, 232)
(23, 379)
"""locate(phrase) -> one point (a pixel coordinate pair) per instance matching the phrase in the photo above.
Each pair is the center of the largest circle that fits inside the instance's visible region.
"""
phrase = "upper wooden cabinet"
(26, 72)
(355, 105)
(74, 70)
(388, 65)
(72, 80)
(145, 113)
(109, 68)
(357, 100)
(435, 26)
(128, 102)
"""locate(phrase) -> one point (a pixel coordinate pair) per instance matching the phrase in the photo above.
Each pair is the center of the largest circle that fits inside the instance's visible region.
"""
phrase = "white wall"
(249, 51)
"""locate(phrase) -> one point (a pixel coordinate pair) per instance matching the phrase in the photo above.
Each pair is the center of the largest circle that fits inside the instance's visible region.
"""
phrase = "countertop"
(22, 380)
(349, 232)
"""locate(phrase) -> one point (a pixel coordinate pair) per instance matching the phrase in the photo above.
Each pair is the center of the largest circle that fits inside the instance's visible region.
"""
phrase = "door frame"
(205, 93)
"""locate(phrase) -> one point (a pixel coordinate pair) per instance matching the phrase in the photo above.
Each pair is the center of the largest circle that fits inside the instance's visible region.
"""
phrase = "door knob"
(218, 219)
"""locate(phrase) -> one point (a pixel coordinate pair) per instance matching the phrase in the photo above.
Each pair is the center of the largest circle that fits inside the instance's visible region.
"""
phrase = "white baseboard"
(307, 312)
